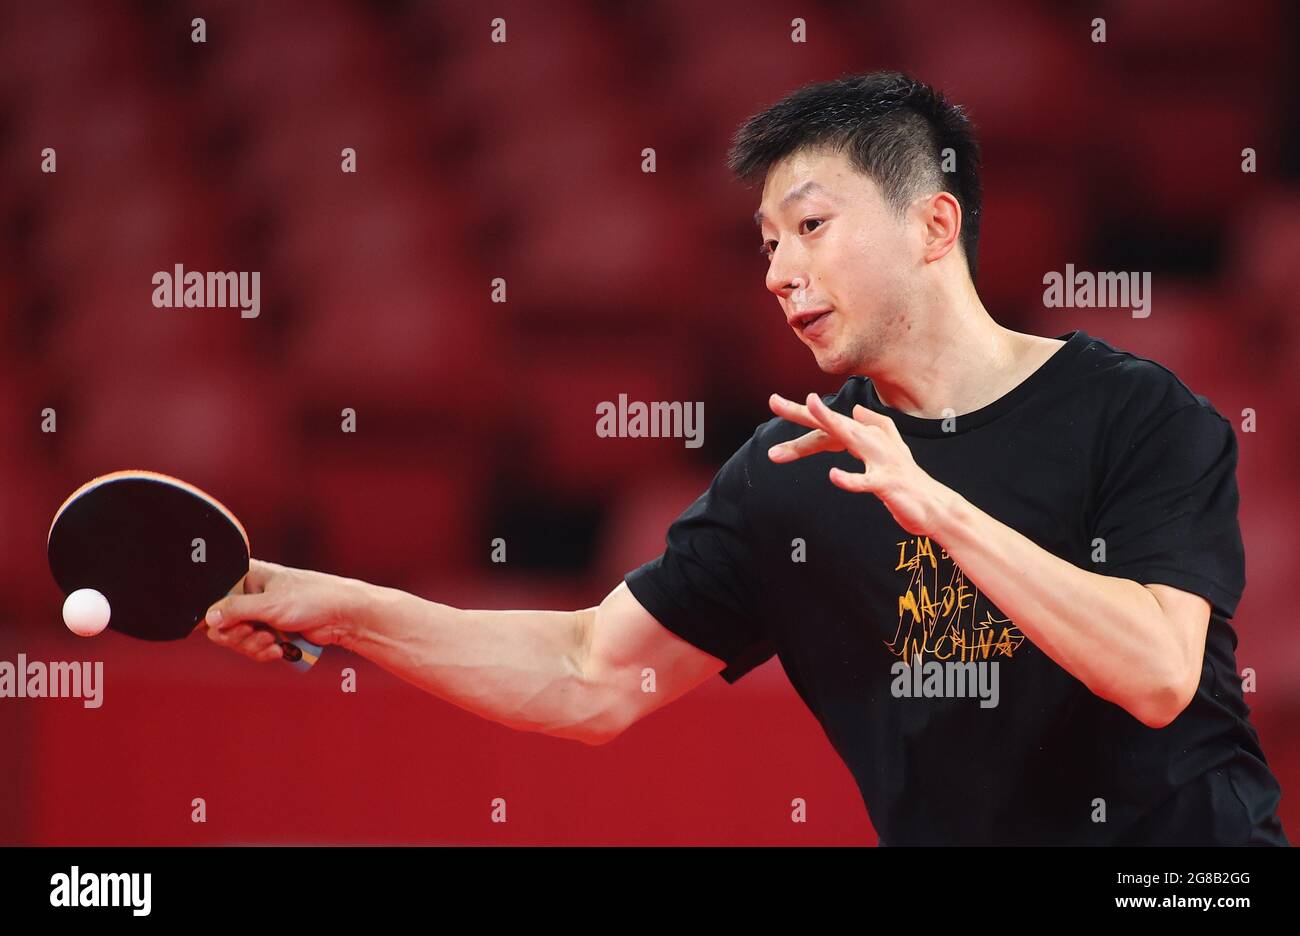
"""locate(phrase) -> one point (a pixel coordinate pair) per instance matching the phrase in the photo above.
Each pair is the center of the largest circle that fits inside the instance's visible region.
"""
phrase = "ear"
(941, 216)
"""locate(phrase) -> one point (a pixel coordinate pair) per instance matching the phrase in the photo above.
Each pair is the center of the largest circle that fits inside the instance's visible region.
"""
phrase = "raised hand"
(889, 470)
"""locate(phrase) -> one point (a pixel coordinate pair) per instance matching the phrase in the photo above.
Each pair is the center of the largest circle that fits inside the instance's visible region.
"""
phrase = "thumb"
(233, 609)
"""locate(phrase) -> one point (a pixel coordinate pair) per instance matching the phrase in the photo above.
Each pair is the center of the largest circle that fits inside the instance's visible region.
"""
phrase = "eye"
(769, 247)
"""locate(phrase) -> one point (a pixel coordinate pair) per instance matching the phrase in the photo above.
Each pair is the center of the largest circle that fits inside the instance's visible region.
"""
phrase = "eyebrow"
(801, 191)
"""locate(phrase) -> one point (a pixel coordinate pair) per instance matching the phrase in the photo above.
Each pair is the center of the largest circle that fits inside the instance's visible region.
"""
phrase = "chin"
(832, 363)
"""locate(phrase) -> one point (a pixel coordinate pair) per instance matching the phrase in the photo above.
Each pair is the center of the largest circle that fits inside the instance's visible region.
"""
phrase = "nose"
(786, 273)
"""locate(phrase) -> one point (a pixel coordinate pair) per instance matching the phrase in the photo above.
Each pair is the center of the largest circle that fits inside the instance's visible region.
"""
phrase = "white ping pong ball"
(86, 612)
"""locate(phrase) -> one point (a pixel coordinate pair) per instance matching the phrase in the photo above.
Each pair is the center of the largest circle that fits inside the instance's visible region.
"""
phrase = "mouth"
(810, 323)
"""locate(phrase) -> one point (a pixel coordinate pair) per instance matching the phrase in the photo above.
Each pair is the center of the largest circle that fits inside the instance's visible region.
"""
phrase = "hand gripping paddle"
(160, 550)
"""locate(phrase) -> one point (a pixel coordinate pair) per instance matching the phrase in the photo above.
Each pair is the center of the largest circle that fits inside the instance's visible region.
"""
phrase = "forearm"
(1101, 629)
(522, 669)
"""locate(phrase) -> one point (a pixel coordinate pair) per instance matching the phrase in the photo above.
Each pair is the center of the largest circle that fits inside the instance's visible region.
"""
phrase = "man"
(999, 570)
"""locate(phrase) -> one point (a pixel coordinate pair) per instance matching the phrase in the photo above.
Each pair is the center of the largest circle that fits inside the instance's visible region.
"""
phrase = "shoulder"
(1131, 389)
(1148, 418)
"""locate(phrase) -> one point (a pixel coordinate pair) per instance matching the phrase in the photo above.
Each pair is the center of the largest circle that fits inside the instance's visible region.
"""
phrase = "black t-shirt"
(1097, 448)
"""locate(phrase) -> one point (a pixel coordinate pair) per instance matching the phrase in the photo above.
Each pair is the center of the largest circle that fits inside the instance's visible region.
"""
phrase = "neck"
(954, 357)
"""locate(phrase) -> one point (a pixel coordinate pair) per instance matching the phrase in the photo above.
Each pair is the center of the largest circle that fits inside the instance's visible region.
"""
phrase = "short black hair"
(893, 128)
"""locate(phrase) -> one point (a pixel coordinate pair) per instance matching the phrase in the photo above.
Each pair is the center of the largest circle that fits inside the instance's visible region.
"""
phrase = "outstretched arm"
(571, 674)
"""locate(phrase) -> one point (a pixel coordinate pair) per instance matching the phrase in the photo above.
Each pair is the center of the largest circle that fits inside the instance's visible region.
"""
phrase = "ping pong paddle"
(160, 550)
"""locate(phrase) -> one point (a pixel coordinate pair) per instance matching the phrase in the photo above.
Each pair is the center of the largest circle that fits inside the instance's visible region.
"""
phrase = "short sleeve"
(702, 587)
(1167, 508)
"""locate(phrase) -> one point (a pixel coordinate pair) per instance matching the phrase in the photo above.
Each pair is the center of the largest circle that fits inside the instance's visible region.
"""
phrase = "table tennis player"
(998, 568)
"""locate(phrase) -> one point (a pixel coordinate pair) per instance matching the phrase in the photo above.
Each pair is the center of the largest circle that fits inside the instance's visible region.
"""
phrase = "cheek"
(862, 273)
(842, 269)
(865, 287)
(883, 271)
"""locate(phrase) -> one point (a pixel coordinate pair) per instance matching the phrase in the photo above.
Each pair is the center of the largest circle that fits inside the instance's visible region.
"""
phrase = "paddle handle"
(299, 652)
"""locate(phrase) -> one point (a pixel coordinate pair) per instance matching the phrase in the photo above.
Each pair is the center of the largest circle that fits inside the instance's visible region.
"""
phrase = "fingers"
(808, 444)
(813, 415)
(861, 436)
(858, 482)
(232, 637)
(866, 435)
(273, 652)
(261, 646)
(795, 412)
(235, 608)
(256, 643)
(844, 430)
(832, 431)
(870, 417)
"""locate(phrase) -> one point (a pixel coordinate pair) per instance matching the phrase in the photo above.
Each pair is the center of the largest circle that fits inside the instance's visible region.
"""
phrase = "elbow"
(1160, 707)
(593, 732)
(602, 719)
(592, 739)
(613, 720)
(599, 734)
